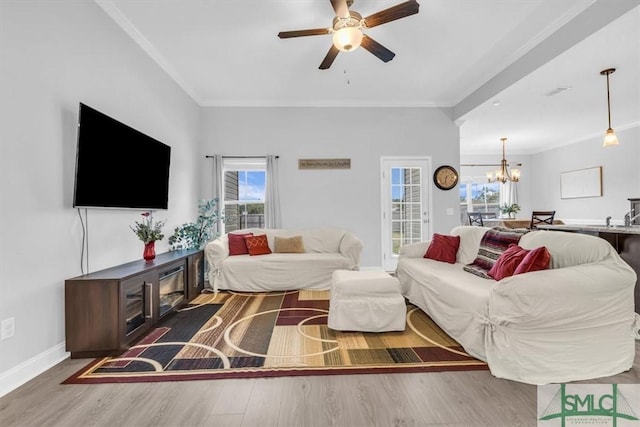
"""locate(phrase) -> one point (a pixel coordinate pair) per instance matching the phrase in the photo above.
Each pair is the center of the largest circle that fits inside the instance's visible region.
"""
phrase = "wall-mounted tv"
(118, 166)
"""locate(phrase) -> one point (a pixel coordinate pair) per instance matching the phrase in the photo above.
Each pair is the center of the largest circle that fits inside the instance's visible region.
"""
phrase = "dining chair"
(541, 217)
(475, 218)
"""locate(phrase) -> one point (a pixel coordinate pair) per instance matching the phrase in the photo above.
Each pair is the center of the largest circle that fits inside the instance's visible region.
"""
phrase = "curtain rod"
(491, 164)
(237, 157)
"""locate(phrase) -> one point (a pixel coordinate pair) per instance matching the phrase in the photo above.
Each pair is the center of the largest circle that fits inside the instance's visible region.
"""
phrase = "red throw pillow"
(537, 259)
(237, 245)
(443, 248)
(257, 245)
(508, 262)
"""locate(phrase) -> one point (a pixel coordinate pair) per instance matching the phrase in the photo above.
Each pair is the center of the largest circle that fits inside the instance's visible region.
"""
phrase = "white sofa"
(574, 321)
(326, 250)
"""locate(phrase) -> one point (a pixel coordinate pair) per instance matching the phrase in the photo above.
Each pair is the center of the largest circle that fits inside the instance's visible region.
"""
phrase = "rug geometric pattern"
(242, 335)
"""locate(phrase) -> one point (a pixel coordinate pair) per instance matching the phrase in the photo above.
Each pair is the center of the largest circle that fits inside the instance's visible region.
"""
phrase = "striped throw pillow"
(493, 244)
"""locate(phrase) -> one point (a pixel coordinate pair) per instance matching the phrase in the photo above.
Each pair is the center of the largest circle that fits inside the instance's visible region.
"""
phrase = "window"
(243, 193)
(477, 195)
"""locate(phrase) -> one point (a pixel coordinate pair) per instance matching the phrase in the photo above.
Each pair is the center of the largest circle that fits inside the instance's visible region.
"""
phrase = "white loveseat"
(326, 250)
(573, 321)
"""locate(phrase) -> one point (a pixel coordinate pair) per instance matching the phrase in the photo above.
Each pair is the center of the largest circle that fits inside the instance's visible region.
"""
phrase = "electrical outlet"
(8, 328)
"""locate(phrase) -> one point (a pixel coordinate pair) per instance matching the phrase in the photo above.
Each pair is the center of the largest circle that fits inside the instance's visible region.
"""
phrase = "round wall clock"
(445, 177)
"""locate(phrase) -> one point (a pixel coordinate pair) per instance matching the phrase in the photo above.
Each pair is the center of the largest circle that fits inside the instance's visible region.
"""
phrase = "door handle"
(150, 299)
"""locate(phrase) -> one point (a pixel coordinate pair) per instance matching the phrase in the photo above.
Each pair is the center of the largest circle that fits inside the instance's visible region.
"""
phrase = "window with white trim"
(243, 192)
(478, 195)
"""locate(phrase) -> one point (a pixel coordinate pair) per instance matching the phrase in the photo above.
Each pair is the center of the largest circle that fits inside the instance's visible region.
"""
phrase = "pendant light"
(610, 138)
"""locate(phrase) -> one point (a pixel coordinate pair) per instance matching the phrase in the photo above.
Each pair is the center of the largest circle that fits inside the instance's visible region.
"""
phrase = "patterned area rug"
(234, 335)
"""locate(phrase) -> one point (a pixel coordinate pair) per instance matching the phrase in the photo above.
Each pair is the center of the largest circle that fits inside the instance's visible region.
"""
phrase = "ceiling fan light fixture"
(347, 30)
(347, 39)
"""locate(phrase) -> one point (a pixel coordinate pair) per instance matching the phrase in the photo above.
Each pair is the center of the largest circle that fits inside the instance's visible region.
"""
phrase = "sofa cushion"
(257, 245)
(470, 238)
(536, 259)
(494, 242)
(279, 272)
(237, 244)
(459, 298)
(568, 249)
(443, 248)
(508, 262)
(291, 245)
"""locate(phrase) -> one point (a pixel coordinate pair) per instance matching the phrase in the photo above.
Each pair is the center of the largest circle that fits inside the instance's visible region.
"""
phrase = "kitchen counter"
(511, 223)
(594, 229)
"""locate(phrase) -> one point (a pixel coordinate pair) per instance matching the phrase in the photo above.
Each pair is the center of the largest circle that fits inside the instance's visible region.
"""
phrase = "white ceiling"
(464, 54)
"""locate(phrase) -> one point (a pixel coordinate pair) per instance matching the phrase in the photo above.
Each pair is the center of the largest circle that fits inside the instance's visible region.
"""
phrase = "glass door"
(405, 205)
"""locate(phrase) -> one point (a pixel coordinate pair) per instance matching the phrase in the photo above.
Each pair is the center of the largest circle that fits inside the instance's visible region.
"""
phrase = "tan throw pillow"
(291, 245)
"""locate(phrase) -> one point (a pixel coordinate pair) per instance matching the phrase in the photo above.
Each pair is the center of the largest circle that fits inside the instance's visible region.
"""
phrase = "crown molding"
(119, 18)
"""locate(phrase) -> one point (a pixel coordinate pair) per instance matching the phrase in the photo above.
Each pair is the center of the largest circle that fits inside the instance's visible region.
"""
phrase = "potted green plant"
(148, 231)
(510, 209)
(194, 235)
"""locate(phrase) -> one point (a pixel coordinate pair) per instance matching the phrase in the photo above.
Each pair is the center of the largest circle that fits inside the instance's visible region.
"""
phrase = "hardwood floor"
(431, 399)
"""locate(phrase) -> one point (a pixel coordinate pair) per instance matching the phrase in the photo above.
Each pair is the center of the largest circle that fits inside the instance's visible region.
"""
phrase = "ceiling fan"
(347, 29)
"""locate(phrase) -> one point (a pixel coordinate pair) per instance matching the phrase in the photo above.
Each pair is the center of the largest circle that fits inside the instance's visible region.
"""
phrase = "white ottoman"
(366, 301)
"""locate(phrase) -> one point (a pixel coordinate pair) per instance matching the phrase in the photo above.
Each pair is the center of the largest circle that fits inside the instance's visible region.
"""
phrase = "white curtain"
(508, 193)
(272, 195)
(216, 193)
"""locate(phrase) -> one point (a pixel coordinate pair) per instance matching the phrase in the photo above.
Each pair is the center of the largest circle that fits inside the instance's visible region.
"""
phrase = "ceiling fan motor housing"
(354, 20)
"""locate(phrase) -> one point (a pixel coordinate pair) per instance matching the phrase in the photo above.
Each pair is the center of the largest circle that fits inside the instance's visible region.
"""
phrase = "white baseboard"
(28, 370)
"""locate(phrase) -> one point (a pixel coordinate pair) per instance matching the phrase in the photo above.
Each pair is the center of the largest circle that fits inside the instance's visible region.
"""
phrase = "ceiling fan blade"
(341, 8)
(302, 33)
(328, 60)
(377, 49)
(395, 12)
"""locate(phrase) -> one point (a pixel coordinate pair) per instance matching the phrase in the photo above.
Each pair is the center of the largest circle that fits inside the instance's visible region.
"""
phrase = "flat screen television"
(118, 166)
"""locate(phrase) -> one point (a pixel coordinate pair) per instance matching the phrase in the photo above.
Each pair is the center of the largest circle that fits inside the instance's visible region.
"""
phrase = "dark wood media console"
(107, 311)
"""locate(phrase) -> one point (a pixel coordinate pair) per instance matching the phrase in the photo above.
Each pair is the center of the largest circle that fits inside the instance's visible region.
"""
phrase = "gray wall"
(620, 178)
(350, 198)
(53, 56)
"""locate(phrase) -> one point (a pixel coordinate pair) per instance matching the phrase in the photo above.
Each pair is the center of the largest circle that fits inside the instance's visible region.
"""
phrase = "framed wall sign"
(324, 163)
(581, 183)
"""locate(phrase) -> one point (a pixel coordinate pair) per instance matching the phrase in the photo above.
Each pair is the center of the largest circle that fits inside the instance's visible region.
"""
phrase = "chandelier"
(503, 175)
(610, 137)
